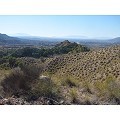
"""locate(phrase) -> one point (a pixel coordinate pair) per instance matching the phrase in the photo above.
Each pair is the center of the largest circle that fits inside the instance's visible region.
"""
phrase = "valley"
(58, 71)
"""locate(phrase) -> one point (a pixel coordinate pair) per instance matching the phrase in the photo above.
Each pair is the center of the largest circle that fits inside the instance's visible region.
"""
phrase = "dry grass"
(73, 95)
(109, 89)
(3, 73)
(70, 82)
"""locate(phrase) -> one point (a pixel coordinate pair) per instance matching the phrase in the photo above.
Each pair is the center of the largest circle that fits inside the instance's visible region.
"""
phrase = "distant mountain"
(24, 40)
(75, 37)
(115, 40)
(102, 38)
(98, 42)
(38, 38)
(19, 35)
(51, 41)
(5, 39)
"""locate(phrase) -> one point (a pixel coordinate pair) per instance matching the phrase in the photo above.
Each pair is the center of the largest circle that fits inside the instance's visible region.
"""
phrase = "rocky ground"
(20, 101)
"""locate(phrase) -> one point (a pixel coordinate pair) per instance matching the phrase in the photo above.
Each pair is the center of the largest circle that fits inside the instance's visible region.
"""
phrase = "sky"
(60, 26)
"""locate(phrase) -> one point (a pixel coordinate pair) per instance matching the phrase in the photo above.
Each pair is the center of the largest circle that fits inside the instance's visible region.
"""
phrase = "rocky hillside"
(93, 65)
(73, 47)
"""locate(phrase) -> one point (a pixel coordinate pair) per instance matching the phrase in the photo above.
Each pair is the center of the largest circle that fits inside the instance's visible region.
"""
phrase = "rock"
(1, 97)
(42, 77)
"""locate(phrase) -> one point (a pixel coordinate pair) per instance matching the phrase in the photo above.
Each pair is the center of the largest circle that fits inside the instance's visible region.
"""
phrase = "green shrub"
(12, 61)
(20, 79)
(31, 71)
(46, 88)
(4, 66)
(25, 82)
(13, 82)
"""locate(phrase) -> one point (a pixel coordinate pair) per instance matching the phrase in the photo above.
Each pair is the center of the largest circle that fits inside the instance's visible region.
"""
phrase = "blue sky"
(60, 26)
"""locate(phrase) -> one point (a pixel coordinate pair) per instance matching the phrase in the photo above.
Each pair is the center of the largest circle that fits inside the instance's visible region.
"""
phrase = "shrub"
(25, 82)
(12, 61)
(4, 66)
(20, 79)
(109, 88)
(13, 82)
(87, 86)
(73, 95)
(31, 71)
(46, 88)
(70, 82)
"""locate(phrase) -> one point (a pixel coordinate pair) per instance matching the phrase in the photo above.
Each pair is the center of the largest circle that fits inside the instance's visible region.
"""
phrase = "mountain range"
(34, 40)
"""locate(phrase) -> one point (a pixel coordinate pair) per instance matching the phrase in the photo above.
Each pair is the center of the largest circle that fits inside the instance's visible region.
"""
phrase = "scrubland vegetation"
(65, 74)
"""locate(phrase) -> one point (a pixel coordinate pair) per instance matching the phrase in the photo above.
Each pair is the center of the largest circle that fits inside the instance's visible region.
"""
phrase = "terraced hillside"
(93, 65)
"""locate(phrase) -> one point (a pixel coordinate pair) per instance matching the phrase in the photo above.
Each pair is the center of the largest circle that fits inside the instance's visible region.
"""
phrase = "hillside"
(64, 43)
(6, 40)
(68, 46)
(61, 48)
(93, 65)
(66, 77)
(115, 40)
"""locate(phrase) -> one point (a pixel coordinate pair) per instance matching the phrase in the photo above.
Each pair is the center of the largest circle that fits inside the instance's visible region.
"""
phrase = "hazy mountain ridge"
(24, 40)
(35, 40)
(5, 39)
(115, 40)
